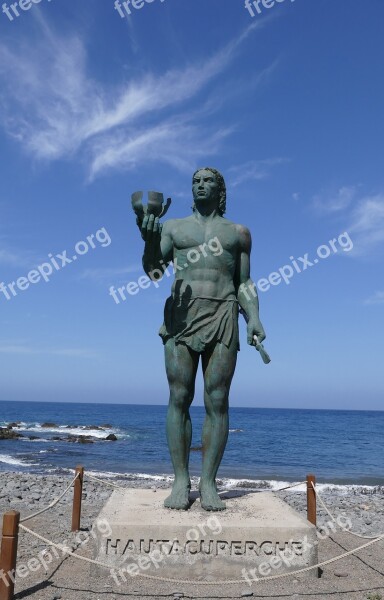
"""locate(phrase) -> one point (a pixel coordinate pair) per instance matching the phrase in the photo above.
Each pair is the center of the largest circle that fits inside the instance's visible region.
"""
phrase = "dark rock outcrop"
(9, 434)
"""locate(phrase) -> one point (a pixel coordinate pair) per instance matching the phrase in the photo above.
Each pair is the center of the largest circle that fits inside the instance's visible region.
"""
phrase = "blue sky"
(288, 104)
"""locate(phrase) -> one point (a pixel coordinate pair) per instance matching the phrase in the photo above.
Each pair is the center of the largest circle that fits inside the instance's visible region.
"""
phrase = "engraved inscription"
(130, 547)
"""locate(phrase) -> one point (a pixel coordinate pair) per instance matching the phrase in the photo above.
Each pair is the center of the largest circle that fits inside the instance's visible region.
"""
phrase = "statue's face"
(205, 186)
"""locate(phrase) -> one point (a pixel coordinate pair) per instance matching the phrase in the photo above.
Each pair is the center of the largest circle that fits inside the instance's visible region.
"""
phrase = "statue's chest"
(193, 237)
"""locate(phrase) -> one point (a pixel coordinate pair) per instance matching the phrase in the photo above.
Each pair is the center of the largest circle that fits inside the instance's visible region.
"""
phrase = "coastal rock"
(111, 437)
(48, 425)
(9, 434)
(80, 439)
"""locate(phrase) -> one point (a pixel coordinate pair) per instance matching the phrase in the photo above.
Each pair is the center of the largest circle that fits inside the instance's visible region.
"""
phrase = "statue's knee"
(218, 400)
(180, 397)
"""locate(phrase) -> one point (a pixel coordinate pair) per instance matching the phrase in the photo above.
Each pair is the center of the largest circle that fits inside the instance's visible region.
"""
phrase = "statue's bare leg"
(218, 367)
(181, 366)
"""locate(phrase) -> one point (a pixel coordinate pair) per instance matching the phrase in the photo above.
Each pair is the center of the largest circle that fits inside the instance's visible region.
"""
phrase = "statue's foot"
(179, 497)
(209, 498)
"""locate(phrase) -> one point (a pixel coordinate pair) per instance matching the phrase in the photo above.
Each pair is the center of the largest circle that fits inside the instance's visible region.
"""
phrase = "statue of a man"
(211, 259)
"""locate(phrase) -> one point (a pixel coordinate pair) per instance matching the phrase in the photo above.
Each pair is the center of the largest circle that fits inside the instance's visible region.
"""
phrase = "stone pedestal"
(258, 535)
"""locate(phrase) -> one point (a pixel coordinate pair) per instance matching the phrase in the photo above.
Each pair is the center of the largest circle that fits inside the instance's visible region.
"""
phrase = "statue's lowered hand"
(260, 348)
(256, 334)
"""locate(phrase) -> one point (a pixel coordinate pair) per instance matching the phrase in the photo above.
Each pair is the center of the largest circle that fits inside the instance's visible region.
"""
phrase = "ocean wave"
(131, 476)
(11, 460)
(43, 440)
(81, 430)
(231, 484)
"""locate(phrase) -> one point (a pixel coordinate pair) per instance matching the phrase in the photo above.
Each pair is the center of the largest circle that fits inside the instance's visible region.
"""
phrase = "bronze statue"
(211, 260)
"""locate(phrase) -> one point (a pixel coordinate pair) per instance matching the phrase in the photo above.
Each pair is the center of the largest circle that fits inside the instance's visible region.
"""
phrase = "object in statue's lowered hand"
(154, 207)
(263, 353)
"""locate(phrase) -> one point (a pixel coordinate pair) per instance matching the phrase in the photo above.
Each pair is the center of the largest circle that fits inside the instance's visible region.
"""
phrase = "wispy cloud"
(54, 108)
(22, 348)
(10, 257)
(362, 216)
(101, 275)
(254, 170)
(367, 224)
(377, 298)
(335, 201)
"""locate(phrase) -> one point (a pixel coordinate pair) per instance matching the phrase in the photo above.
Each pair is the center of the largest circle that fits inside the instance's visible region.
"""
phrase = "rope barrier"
(364, 537)
(118, 487)
(286, 488)
(191, 582)
(43, 510)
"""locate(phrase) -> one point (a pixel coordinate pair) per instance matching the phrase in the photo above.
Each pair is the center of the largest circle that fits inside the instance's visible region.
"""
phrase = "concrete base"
(258, 532)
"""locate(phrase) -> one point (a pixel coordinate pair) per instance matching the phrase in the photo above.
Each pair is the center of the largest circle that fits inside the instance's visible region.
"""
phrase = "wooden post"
(8, 554)
(77, 496)
(311, 499)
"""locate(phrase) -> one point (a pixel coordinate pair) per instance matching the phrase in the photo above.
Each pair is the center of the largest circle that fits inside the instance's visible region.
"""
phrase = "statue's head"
(215, 185)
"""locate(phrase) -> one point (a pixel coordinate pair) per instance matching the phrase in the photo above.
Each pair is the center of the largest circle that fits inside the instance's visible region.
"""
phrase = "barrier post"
(77, 496)
(311, 499)
(8, 554)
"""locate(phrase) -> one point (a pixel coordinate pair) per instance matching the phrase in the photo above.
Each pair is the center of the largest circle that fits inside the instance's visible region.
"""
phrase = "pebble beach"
(67, 578)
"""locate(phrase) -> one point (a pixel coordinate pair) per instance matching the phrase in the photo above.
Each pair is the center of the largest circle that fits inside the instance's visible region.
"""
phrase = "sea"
(266, 447)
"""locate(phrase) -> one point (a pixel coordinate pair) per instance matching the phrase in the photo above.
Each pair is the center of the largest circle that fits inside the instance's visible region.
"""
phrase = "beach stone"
(341, 574)
(246, 594)
(256, 531)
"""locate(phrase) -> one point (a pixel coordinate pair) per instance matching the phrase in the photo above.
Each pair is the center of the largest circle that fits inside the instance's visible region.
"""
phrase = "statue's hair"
(222, 189)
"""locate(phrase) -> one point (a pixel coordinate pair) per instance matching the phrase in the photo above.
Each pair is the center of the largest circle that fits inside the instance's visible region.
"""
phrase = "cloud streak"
(55, 110)
(367, 224)
(377, 298)
(21, 348)
(254, 170)
(363, 216)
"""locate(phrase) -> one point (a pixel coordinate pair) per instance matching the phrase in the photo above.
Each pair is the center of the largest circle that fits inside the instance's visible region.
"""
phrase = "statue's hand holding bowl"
(151, 228)
(147, 217)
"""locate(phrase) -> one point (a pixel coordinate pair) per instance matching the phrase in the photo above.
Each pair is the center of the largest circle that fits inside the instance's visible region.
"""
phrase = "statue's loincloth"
(200, 322)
